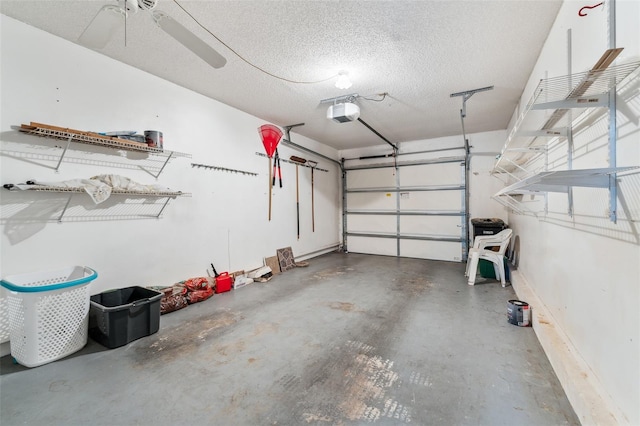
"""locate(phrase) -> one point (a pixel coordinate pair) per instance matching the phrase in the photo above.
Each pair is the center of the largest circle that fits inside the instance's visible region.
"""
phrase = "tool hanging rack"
(294, 163)
(223, 169)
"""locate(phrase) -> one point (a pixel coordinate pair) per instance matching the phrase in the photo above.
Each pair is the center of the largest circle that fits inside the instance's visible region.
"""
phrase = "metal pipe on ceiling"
(287, 142)
(395, 148)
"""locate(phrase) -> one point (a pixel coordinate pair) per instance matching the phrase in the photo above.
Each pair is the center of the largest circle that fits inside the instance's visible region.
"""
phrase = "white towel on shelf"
(98, 191)
(99, 187)
(123, 183)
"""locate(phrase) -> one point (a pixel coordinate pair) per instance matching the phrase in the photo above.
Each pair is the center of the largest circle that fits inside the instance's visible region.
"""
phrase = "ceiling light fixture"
(343, 81)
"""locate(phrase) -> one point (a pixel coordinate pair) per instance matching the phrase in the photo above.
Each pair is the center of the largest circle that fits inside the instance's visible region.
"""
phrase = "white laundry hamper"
(4, 316)
(48, 313)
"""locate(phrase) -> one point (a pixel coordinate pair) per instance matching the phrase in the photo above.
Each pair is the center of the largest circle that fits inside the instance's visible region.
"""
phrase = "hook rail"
(223, 169)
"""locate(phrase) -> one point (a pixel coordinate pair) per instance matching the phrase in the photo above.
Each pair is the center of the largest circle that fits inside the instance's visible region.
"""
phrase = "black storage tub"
(118, 317)
(487, 226)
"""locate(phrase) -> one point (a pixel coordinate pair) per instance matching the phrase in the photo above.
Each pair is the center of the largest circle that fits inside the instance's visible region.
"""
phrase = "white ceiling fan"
(111, 18)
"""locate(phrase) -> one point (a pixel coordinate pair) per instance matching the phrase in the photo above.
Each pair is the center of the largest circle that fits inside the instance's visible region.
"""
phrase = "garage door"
(413, 209)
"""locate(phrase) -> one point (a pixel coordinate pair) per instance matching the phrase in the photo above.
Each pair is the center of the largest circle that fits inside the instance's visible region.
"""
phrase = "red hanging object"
(581, 13)
(271, 136)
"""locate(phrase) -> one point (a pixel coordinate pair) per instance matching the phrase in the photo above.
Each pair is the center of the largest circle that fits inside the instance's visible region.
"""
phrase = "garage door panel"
(372, 223)
(435, 250)
(423, 196)
(371, 178)
(432, 174)
(371, 201)
(430, 225)
(368, 245)
(431, 200)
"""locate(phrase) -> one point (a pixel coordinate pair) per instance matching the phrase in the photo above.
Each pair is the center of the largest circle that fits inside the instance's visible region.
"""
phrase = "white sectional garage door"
(413, 210)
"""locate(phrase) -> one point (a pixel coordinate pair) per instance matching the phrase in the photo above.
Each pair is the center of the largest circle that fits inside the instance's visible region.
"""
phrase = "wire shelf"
(64, 205)
(536, 127)
(94, 139)
(584, 84)
(42, 188)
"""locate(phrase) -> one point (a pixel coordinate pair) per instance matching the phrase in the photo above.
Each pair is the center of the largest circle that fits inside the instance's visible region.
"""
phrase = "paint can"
(153, 138)
(518, 313)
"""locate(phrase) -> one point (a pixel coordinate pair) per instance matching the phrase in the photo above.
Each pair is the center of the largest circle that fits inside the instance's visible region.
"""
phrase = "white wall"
(583, 271)
(49, 80)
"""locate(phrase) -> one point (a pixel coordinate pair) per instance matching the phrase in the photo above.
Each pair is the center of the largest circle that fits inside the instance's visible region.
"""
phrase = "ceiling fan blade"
(103, 26)
(188, 39)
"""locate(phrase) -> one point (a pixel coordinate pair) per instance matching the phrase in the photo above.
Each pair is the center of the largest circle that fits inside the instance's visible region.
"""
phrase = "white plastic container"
(4, 316)
(48, 313)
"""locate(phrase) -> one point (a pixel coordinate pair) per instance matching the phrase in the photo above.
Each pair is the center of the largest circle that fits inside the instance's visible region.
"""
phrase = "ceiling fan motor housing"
(130, 7)
(147, 4)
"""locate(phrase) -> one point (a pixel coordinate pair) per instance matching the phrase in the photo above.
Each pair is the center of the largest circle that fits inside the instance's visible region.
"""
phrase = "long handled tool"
(270, 187)
(313, 165)
(275, 166)
(287, 130)
(277, 170)
(297, 203)
(270, 136)
(297, 160)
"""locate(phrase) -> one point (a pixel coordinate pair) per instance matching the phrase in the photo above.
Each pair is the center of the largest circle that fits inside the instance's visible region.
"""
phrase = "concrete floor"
(351, 339)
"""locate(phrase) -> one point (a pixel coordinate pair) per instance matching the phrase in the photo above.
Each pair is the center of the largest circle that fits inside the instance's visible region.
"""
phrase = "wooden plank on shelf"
(69, 130)
(90, 134)
(607, 59)
(108, 139)
(603, 63)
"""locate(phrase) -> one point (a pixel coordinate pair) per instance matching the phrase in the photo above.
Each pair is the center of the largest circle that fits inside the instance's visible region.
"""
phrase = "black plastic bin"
(487, 226)
(118, 317)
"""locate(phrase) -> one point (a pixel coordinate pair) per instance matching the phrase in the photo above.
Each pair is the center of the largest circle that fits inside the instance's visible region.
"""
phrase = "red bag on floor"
(199, 295)
(173, 298)
(194, 284)
(198, 289)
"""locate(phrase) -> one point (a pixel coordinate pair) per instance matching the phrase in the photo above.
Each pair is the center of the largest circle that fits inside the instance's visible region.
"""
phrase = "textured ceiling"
(419, 52)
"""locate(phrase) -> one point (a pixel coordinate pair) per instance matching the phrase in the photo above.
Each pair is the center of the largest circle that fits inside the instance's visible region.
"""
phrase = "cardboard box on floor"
(272, 262)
